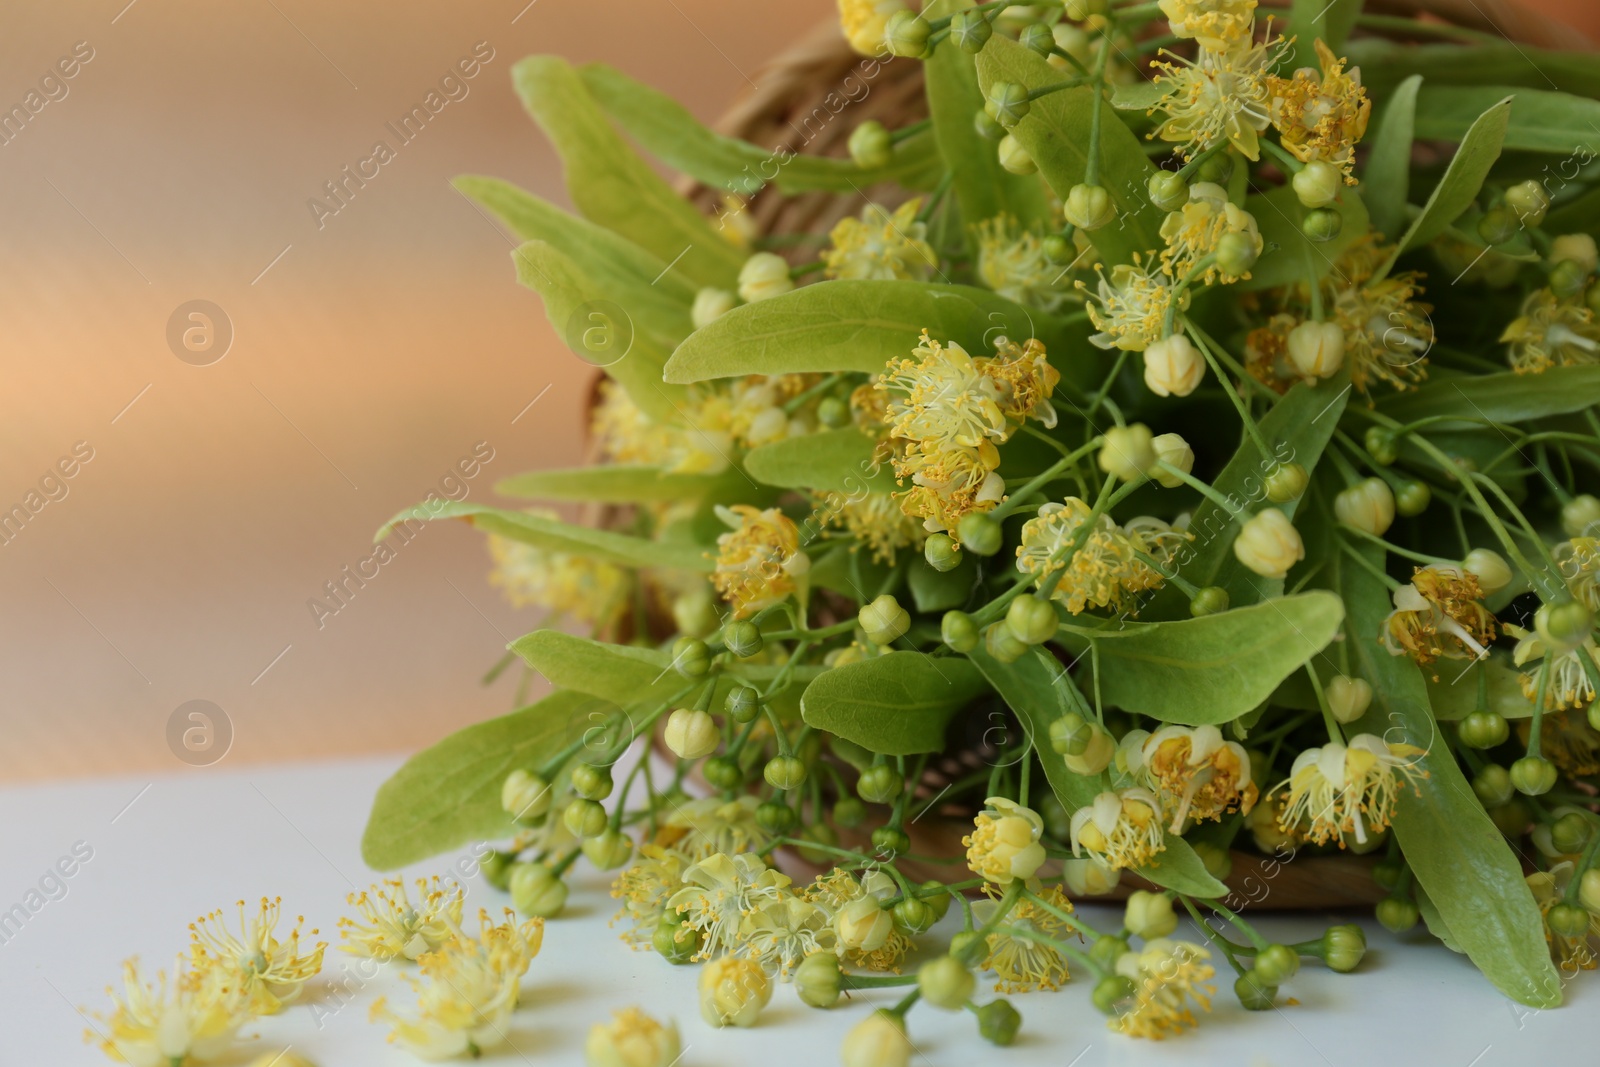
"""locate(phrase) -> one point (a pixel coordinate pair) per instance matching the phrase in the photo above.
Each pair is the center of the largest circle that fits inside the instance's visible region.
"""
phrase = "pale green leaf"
(897, 704)
(840, 461)
(608, 484)
(937, 591)
(1507, 397)
(1040, 691)
(1385, 64)
(1288, 255)
(1540, 121)
(1179, 868)
(1480, 147)
(1311, 20)
(1386, 181)
(1455, 694)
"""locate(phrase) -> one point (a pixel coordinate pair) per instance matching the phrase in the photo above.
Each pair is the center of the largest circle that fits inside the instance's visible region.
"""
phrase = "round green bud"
(496, 867)
(946, 983)
(1276, 964)
(1032, 621)
(695, 612)
(998, 1022)
(690, 657)
(784, 772)
(1167, 190)
(743, 638)
(1533, 775)
(833, 412)
(986, 126)
(776, 817)
(1511, 818)
(743, 703)
(939, 901)
(1002, 644)
(1059, 250)
(1589, 890)
(1412, 498)
(870, 146)
(884, 620)
(1286, 482)
(1343, 946)
(723, 772)
(1529, 202)
(1317, 184)
(1007, 103)
(1149, 915)
(849, 812)
(1211, 600)
(1218, 860)
(969, 948)
(1382, 446)
(1254, 993)
(979, 533)
(942, 552)
(1568, 920)
(1088, 207)
(1565, 624)
(906, 35)
(1570, 833)
(1070, 734)
(1322, 224)
(1387, 873)
(1593, 715)
(1106, 949)
(1484, 729)
(959, 631)
(609, 850)
(1397, 914)
(1037, 36)
(1568, 277)
(525, 796)
(1237, 253)
(818, 979)
(913, 916)
(1015, 158)
(1498, 225)
(1493, 785)
(1217, 169)
(1580, 516)
(585, 818)
(889, 841)
(591, 782)
(675, 940)
(880, 784)
(970, 30)
(1111, 992)
(536, 891)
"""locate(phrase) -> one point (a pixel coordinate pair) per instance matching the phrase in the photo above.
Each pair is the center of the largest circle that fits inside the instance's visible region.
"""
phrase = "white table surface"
(168, 849)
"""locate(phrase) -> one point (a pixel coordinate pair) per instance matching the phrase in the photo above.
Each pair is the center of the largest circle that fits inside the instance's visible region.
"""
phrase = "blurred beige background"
(368, 356)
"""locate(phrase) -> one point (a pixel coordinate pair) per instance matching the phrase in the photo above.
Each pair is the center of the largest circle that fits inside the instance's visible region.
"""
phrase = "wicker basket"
(794, 87)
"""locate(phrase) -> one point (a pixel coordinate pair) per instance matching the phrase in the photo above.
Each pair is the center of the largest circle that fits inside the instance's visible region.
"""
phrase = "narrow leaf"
(1387, 180)
(1540, 121)
(1480, 147)
(609, 484)
(1505, 397)
(1039, 690)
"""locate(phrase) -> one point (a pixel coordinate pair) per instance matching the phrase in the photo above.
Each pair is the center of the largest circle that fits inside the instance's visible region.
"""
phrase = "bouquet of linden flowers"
(1192, 441)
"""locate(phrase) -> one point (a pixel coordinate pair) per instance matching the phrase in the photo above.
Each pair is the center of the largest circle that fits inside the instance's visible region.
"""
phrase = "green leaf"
(1056, 134)
(598, 330)
(1040, 691)
(983, 188)
(1387, 180)
(844, 326)
(1580, 214)
(1384, 64)
(559, 536)
(916, 164)
(1459, 858)
(1455, 694)
(1288, 255)
(1179, 868)
(1505, 397)
(1138, 96)
(1480, 147)
(1435, 922)
(1540, 121)
(933, 590)
(612, 186)
(897, 704)
(608, 484)
(1215, 668)
(840, 461)
(449, 795)
(1329, 20)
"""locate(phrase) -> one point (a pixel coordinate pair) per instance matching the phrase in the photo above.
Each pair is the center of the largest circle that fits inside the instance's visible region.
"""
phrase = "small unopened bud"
(987, 127)
(1567, 278)
(591, 782)
(913, 917)
(1397, 914)
(1032, 620)
(1237, 252)
(946, 983)
(1529, 201)
(1037, 37)
(1568, 920)
(959, 631)
(871, 148)
(970, 30)
(1564, 625)
(1276, 964)
(1317, 184)
(525, 796)
(1059, 250)
(817, 980)
(1111, 992)
(1322, 224)
(1533, 775)
(1149, 915)
(763, 276)
(1412, 498)
(1070, 734)
(1002, 644)
(585, 818)
(998, 1022)
(1209, 601)
(1580, 516)
(776, 817)
(743, 638)
(733, 990)
(1172, 367)
(1167, 190)
(1382, 445)
(743, 703)
(1286, 482)
(1174, 451)
(1089, 207)
(723, 772)
(1015, 158)
(1589, 890)
(1348, 698)
(710, 305)
(1081, 10)
(695, 612)
(1493, 783)
(675, 941)
(1576, 248)
(1269, 544)
(1216, 169)
(1128, 451)
(906, 34)
(785, 772)
(942, 552)
(889, 841)
(609, 850)
(1498, 225)
(1317, 349)
(979, 533)
(1343, 946)
(880, 784)
(884, 620)
(1255, 993)
(536, 891)
(1368, 506)
(1570, 833)
(691, 733)
(1007, 103)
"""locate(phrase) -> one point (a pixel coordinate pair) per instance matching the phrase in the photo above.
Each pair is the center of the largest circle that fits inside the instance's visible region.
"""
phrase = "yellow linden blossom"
(837, 888)
(1549, 889)
(1200, 776)
(561, 583)
(1266, 353)
(863, 22)
(1338, 789)
(1131, 313)
(1012, 262)
(1265, 823)
(1004, 843)
(1566, 739)
(1167, 975)
(703, 827)
(882, 246)
(1218, 97)
(720, 892)
(626, 435)
(644, 888)
(783, 932)
(1440, 613)
(1105, 571)
(874, 519)
(190, 1019)
(1387, 331)
(1551, 332)
(391, 926)
(270, 972)
(1579, 563)
(1194, 230)
(1567, 686)
(1321, 117)
(1215, 24)
(1020, 963)
(1120, 829)
(758, 560)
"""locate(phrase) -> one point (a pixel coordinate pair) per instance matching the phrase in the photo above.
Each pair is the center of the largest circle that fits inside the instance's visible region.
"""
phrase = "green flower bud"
(784, 772)
(1107, 949)
(1498, 225)
(695, 612)
(585, 818)
(1218, 860)
(969, 948)
(1111, 992)
(1484, 729)
(906, 35)
(1286, 482)
(1397, 914)
(1253, 993)
(1211, 600)
(1032, 621)
(691, 733)
(1217, 169)
(1070, 734)
(1014, 158)
(1570, 833)
(536, 891)
(743, 703)
(1348, 698)
(1322, 224)
(1128, 451)
(889, 841)
(1317, 184)
(998, 1022)
(1002, 644)
(676, 941)
(1382, 446)
(609, 850)
(913, 916)
(970, 30)
(591, 782)
(1589, 890)
(978, 533)
(1568, 920)
(525, 796)
(1149, 915)
(1564, 625)
(1387, 873)
(1529, 201)
(496, 868)
(833, 412)
(880, 784)
(939, 901)
(1167, 190)
(959, 631)
(1037, 36)
(1489, 567)
(1237, 253)
(1343, 946)
(987, 127)
(1059, 250)
(1007, 103)
(945, 983)
(723, 772)
(1493, 784)
(1580, 516)
(817, 980)
(1368, 506)
(776, 817)
(743, 638)
(870, 146)
(1276, 964)
(849, 812)
(1412, 498)
(1567, 278)
(884, 620)
(1533, 775)
(1089, 207)
(942, 552)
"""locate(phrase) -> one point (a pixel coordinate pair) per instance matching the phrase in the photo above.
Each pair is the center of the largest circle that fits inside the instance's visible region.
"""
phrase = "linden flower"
(874, 519)
(191, 1018)
(644, 888)
(1347, 789)
(1579, 563)
(1004, 844)
(1194, 230)
(1551, 332)
(627, 435)
(1440, 613)
(1566, 739)
(881, 245)
(720, 892)
(1020, 963)
(561, 583)
(1220, 96)
(1105, 571)
(1549, 889)
(1215, 24)
(783, 932)
(1167, 975)
(390, 926)
(1567, 686)
(1012, 262)
(464, 1007)
(1266, 353)
(632, 1039)
(270, 972)
(1387, 332)
(837, 889)
(1200, 776)
(1132, 311)
(863, 22)
(758, 560)
(1120, 829)
(701, 828)
(1321, 117)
